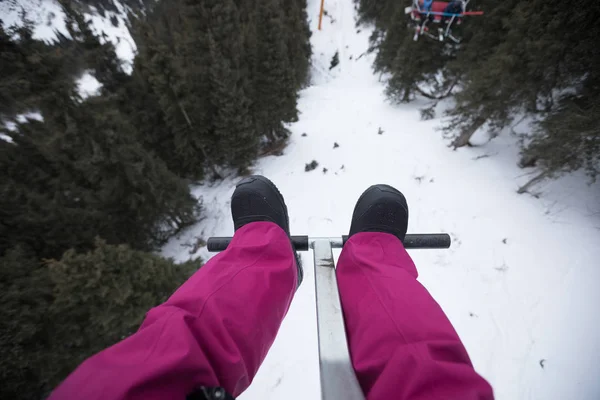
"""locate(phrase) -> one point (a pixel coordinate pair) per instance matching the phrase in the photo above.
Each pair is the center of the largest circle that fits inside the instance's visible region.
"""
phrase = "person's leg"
(216, 329)
(401, 343)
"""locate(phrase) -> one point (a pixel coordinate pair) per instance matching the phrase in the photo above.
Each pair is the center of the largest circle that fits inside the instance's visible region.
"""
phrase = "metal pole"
(301, 243)
(321, 13)
(449, 24)
(338, 380)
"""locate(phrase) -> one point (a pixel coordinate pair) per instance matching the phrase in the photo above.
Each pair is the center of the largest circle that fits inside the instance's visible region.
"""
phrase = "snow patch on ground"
(520, 280)
(88, 85)
(49, 18)
(119, 35)
(47, 15)
(11, 125)
(5, 138)
(22, 118)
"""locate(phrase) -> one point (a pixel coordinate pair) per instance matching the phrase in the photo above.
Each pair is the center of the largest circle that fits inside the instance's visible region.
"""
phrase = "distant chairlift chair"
(423, 12)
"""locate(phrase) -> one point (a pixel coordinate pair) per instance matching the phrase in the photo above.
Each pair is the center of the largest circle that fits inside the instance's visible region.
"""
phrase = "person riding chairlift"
(208, 340)
(452, 7)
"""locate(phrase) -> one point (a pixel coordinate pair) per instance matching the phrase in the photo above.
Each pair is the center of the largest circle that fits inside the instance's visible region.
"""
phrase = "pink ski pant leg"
(215, 330)
(401, 343)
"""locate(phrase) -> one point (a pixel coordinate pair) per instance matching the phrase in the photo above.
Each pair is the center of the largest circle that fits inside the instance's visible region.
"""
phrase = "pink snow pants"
(217, 328)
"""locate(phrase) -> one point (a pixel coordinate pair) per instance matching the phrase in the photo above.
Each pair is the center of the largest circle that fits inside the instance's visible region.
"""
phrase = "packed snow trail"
(520, 281)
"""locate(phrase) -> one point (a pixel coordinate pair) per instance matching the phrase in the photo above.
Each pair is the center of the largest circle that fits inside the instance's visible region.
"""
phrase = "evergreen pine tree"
(64, 187)
(121, 285)
(568, 139)
(100, 57)
(274, 87)
(142, 197)
(518, 62)
(57, 313)
(81, 172)
(164, 73)
(298, 39)
(32, 71)
(25, 294)
(238, 141)
(223, 23)
(393, 41)
(493, 89)
(414, 66)
(251, 61)
(139, 102)
(39, 206)
(14, 87)
(379, 12)
(193, 59)
(232, 124)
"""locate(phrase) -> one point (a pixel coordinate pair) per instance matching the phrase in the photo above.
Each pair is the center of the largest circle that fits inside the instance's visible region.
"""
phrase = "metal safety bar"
(338, 380)
(302, 243)
(445, 14)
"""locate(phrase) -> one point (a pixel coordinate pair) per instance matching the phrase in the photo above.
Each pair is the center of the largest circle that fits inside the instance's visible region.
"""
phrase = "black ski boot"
(257, 199)
(381, 208)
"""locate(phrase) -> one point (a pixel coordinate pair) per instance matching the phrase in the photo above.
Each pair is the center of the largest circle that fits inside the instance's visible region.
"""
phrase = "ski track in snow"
(513, 304)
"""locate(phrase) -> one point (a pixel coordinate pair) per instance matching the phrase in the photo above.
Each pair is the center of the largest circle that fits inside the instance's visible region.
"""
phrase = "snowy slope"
(520, 281)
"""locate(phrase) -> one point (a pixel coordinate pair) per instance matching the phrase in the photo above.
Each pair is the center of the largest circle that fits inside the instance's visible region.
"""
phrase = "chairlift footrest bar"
(303, 243)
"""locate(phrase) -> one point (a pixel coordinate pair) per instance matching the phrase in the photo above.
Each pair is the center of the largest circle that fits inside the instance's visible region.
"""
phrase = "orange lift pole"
(321, 13)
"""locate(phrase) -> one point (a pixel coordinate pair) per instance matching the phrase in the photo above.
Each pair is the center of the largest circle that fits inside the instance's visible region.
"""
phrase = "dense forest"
(537, 59)
(91, 185)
